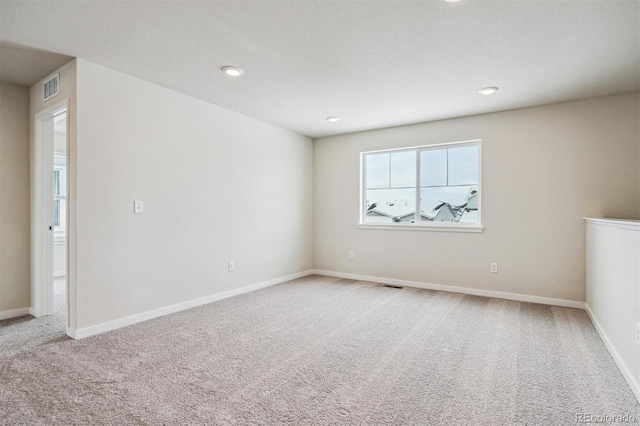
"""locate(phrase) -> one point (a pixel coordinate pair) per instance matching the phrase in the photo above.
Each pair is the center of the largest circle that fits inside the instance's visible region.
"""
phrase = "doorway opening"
(59, 219)
(50, 214)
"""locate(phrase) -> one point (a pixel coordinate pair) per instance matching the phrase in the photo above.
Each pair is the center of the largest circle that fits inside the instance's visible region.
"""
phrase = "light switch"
(138, 206)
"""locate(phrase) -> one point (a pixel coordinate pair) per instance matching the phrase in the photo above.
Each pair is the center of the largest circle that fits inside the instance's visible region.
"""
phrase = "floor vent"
(52, 87)
(393, 286)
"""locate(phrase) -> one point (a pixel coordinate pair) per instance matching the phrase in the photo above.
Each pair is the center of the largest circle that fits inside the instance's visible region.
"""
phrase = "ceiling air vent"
(52, 87)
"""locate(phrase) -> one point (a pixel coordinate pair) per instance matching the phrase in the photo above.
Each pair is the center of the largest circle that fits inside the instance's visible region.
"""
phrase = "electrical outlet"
(350, 255)
(232, 266)
(494, 268)
(638, 333)
(138, 206)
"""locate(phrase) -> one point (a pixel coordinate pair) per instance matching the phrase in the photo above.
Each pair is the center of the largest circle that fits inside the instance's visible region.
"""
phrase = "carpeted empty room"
(300, 212)
(321, 350)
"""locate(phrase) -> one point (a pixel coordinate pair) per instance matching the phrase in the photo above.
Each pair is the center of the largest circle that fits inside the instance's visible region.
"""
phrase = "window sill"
(432, 228)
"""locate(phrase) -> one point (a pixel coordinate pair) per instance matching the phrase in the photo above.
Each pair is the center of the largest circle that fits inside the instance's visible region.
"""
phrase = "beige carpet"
(23, 333)
(322, 351)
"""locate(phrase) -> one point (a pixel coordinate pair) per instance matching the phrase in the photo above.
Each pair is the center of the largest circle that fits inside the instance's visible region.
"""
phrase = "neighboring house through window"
(426, 186)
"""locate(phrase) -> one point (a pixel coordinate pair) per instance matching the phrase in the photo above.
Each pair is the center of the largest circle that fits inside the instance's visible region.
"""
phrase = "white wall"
(613, 290)
(544, 168)
(59, 259)
(216, 185)
(14, 199)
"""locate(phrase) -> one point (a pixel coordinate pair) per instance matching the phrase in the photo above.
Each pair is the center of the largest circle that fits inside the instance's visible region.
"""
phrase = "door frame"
(42, 212)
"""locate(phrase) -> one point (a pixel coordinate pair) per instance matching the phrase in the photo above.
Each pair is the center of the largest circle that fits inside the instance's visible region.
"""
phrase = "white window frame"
(421, 225)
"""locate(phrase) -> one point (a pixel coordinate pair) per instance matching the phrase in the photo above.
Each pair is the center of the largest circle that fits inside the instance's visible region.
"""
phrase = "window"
(59, 197)
(434, 186)
(56, 198)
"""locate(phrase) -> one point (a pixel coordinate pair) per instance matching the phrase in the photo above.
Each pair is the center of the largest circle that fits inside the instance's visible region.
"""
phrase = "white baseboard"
(614, 354)
(454, 289)
(13, 313)
(145, 316)
(71, 332)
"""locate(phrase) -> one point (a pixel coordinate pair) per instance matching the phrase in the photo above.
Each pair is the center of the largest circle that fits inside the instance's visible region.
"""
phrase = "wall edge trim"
(626, 373)
(145, 316)
(455, 289)
(14, 313)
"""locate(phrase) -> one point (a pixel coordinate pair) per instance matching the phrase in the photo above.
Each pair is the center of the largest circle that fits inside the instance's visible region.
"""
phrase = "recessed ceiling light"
(232, 71)
(488, 90)
(333, 119)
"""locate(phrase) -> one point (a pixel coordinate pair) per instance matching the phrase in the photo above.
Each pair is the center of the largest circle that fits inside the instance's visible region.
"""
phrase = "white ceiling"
(374, 63)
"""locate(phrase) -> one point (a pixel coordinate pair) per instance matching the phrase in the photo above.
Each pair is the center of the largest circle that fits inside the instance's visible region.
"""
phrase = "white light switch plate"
(138, 206)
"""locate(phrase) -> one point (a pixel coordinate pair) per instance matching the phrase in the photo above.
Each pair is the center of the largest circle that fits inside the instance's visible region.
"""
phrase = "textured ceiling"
(26, 66)
(374, 63)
